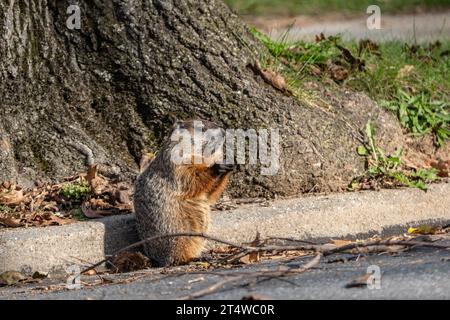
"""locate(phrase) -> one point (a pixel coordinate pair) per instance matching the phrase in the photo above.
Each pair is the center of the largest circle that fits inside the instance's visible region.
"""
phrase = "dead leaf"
(202, 264)
(275, 79)
(9, 278)
(122, 196)
(340, 243)
(271, 77)
(435, 45)
(315, 70)
(369, 45)
(426, 59)
(442, 166)
(337, 73)
(129, 261)
(91, 272)
(320, 37)
(423, 229)
(10, 222)
(12, 196)
(253, 256)
(405, 71)
(355, 63)
(39, 275)
(91, 213)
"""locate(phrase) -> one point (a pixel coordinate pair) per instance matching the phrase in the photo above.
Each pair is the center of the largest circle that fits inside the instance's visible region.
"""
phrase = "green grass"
(411, 81)
(75, 191)
(4, 208)
(420, 114)
(78, 214)
(320, 7)
(385, 170)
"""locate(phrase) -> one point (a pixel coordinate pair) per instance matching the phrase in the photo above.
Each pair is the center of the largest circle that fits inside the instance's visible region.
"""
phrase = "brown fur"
(173, 198)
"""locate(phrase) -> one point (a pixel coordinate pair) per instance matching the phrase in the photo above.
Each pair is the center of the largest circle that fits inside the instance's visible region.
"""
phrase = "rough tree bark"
(116, 85)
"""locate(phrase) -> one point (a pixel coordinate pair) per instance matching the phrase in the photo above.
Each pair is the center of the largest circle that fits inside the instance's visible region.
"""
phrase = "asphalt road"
(421, 273)
(422, 27)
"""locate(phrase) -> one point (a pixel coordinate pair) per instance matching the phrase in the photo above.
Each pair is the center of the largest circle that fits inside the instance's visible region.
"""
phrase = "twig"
(321, 248)
(162, 236)
(290, 239)
(410, 243)
(248, 276)
(213, 288)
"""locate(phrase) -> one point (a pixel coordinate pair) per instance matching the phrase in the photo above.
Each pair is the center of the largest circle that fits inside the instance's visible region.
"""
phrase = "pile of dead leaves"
(50, 204)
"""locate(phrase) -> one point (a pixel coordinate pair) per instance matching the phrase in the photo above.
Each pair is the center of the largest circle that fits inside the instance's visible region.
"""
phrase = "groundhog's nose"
(223, 168)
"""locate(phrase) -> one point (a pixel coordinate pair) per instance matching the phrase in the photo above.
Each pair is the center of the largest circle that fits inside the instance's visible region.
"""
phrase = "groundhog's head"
(192, 158)
(197, 142)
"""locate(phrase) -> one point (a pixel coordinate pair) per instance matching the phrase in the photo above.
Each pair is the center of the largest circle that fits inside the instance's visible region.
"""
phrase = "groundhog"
(173, 197)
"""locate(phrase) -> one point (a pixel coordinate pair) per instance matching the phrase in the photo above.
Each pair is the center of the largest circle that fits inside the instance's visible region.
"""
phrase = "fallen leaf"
(271, 77)
(122, 196)
(320, 37)
(315, 70)
(253, 256)
(39, 275)
(129, 261)
(91, 272)
(435, 45)
(442, 166)
(9, 278)
(202, 264)
(369, 45)
(405, 71)
(10, 222)
(340, 243)
(275, 79)
(355, 63)
(423, 229)
(90, 212)
(12, 196)
(337, 73)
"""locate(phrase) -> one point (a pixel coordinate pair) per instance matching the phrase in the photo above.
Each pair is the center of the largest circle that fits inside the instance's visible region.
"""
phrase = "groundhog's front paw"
(221, 168)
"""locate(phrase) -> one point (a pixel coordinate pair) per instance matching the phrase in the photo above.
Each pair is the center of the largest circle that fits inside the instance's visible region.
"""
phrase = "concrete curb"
(315, 217)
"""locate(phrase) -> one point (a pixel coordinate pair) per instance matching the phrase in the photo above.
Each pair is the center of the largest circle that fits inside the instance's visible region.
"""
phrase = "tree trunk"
(116, 85)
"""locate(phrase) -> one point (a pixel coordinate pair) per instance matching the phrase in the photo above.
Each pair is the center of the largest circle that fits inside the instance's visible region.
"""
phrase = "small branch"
(162, 236)
(321, 248)
(249, 276)
(213, 288)
(245, 278)
(410, 243)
